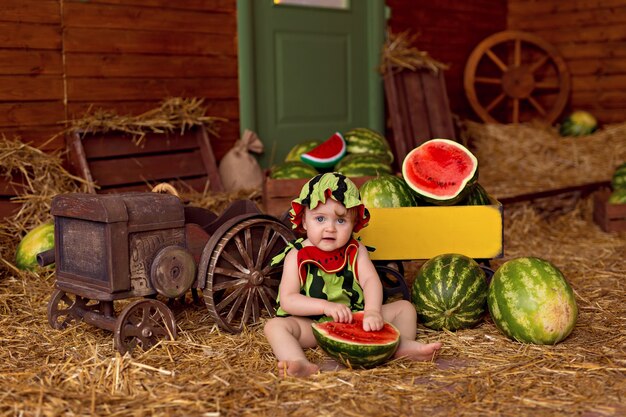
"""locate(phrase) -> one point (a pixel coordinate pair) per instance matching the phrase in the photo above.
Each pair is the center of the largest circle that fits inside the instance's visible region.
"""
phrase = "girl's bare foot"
(417, 351)
(299, 368)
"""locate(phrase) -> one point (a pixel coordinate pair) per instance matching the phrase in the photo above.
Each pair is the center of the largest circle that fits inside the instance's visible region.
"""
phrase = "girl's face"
(328, 226)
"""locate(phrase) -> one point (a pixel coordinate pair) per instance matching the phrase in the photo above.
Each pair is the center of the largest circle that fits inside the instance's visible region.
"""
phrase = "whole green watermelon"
(578, 123)
(530, 301)
(292, 170)
(387, 191)
(300, 148)
(618, 196)
(477, 196)
(450, 292)
(618, 181)
(39, 239)
(362, 140)
(363, 165)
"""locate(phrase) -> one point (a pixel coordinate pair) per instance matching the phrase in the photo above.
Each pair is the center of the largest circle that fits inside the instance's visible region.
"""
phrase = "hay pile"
(399, 53)
(529, 158)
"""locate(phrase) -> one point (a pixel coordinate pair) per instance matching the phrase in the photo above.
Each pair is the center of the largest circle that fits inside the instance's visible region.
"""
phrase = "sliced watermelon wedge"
(327, 153)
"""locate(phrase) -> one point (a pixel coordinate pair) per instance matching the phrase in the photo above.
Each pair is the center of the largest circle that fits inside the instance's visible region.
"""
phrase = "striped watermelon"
(618, 196)
(450, 292)
(579, 123)
(440, 171)
(327, 153)
(387, 191)
(362, 140)
(292, 170)
(619, 177)
(349, 344)
(530, 301)
(477, 196)
(39, 239)
(299, 149)
(363, 165)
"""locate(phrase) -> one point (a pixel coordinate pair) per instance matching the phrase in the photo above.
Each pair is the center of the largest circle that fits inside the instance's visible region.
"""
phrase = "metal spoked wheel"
(514, 76)
(240, 282)
(143, 324)
(65, 309)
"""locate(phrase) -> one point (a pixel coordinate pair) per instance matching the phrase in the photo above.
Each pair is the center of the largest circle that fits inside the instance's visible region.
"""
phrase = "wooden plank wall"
(449, 30)
(591, 36)
(59, 57)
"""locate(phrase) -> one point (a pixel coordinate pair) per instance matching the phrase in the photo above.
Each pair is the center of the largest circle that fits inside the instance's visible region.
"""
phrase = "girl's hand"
(372, 321)
(339, 312)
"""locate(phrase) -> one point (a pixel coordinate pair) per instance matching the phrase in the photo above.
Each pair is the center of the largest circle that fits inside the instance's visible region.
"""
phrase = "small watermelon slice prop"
(440, 170)
(327, 153)
(349, 344)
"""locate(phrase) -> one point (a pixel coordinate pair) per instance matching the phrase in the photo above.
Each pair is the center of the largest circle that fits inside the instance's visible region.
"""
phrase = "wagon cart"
(115, 247)
(414, 233)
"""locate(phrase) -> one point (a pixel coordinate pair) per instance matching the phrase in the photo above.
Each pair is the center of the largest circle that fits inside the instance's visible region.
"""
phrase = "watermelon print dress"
(331, 276)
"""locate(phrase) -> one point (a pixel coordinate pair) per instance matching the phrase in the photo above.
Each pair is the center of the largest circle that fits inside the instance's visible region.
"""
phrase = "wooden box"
(9, 188)
(115, 163)
(423, 232)
(277, 194)
(418, 108)
(610, 217)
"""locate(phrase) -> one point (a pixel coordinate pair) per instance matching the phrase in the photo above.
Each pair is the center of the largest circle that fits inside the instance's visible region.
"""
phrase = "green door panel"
(308, 72)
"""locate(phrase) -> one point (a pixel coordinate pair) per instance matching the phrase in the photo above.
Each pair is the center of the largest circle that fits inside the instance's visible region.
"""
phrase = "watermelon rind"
(37, 240)
(315, 158)
(578, 123)
(450, 292)
(477, 196)
(618, 196)
(530, 301)
(361, 140)
(292, 170)
(456, 190)
(294, 153)
(618, 180)
(363, 165)
(352, 354)
(387, 191)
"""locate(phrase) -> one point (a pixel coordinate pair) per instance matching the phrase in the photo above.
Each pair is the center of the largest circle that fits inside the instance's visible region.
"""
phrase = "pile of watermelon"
(528, 298)
(618, 184)
(359, 152)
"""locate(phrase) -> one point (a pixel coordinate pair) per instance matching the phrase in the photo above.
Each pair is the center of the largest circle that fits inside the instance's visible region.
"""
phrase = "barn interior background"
(61, 58)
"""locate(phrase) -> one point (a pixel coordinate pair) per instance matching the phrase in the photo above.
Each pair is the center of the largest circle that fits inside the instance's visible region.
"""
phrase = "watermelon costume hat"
(322, 186)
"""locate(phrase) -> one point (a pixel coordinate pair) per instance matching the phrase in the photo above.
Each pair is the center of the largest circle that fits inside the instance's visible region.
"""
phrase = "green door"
(307, 72)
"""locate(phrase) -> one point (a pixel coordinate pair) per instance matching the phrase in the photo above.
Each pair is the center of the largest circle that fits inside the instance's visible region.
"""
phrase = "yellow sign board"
(423, 232)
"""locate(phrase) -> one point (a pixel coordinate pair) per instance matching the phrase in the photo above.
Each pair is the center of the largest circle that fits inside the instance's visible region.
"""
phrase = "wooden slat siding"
(158, 19)
(101, 146)
(29, 35)
(138, 65)
(147, 42)
(26, 88)
(88, 89)
(449, 30)
(148, 168)
(20, 114)
(590, 35)
(31, 11)
(44, 137)
(8, 208)
(201, 5)
(30, 62)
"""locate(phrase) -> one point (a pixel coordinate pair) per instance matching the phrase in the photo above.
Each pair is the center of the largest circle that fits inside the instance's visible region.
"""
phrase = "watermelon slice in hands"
(327, 153)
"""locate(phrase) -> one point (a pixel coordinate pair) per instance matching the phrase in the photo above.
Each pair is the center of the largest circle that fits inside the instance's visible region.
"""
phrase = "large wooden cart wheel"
(65, 309)
(515, 76)
(144, 323)
(240, 282)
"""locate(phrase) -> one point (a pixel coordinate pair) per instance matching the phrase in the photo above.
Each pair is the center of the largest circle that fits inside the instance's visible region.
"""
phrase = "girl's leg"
(402, 315)
(288, 336)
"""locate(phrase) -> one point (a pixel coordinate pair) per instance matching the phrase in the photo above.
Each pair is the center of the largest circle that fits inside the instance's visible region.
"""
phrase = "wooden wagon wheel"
(519, 75)
(240, 283)
(144, 323)
(65, 309)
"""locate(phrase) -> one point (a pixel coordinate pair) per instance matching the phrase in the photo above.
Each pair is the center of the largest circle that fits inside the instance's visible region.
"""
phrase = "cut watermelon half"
(439, 170)
(349, 344)
(327, 153)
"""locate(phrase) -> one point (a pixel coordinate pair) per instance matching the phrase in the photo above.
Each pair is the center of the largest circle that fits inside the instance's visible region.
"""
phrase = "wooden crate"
(418, 108)
(610, 217)
(277, 194)
(9, 188)
(116, 164)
